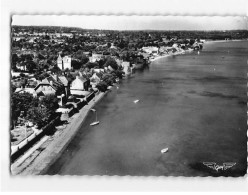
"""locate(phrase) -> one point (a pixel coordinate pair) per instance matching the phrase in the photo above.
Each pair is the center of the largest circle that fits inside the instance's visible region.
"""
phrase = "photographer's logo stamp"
(216, 167)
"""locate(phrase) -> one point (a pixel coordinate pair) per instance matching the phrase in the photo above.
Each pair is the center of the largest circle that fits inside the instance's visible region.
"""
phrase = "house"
(150, 50)
(80, 86)
(49, 86)
(95, 57)
(64, 63)
(21, 66)
(26, 90)
(110, 68)
(98, 70)
(45, 88)
(87, 53)
(126, 68)
(118, 61)
(65, 82)
(94, 80)
(62, 80)
(175, 45)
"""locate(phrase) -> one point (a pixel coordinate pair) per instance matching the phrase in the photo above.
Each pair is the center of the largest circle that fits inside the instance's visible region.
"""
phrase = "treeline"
(231, 34)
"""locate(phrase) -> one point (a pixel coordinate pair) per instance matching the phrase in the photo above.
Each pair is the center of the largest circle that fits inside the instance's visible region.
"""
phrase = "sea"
(193, 104)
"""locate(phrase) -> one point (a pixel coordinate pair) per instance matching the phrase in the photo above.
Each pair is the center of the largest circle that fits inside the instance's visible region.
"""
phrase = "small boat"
(96, 121)
(164, 150)
(198, 52)
(136, 101)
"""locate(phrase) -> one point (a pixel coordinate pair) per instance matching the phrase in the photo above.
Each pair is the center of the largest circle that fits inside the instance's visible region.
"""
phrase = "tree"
(22, 74)
(192, 41)
(13, 88)
(109, 79)
(43, 112)
(21, 102)
(91, 65)
(102, 86)
(69, 77)
(76, 64)
(111, 62)
(30, 65)
(84, 59)
(14, 61)
(39, 116)
(41, 57)
(50, 102)
(101, 62)
(56, 69)
(108, 45)
(118, 73)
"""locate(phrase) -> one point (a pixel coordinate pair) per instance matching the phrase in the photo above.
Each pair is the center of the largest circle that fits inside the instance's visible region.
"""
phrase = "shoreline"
(222, 41)
(189, 51)
(168, 55)
(57, 145)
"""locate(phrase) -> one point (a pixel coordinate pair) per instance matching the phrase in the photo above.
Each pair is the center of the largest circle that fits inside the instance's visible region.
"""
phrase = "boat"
(164, 150)
(136, 101)
(96, 121)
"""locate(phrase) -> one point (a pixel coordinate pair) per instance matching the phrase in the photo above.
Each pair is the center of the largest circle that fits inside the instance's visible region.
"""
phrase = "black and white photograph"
(127, 95)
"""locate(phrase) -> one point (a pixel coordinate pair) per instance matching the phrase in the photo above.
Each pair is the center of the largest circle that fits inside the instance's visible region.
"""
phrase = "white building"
(80, 86)
(64, 62)
(150, 50)
(126, 68)
(95, 57)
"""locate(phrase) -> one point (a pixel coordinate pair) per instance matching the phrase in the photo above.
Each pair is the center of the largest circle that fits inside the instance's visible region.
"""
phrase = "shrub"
(102, 86)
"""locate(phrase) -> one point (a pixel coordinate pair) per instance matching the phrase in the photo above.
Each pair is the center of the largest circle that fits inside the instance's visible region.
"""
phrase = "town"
(56, 71)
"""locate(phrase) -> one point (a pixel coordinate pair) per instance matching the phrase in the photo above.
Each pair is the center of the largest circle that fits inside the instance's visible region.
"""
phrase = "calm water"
(193, 104)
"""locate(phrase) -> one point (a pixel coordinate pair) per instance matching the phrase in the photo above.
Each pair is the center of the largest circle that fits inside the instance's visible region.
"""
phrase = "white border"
(126, 7)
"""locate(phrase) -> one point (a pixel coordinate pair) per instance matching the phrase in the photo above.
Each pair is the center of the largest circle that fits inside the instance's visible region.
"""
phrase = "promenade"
(46, 152)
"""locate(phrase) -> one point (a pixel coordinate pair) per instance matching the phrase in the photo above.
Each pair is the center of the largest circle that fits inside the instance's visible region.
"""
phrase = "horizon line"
(121, 29)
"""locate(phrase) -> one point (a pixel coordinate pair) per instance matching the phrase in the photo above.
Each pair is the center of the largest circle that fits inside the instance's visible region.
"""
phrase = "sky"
(113, 22)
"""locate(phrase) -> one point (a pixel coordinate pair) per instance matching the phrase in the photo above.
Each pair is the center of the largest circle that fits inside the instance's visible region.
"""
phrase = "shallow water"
(195, 105)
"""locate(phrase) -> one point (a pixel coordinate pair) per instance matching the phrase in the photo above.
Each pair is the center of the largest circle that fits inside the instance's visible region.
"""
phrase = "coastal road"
(195, 105)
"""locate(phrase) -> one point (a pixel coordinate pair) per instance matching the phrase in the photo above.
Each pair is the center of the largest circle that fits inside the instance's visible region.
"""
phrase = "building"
(126, 68)
(49, 86)
(80, 86)
(95, 57)
(26, 90)
(150, 50)
(65, 82)
(62, 80)
(94, 80)
(64, 63)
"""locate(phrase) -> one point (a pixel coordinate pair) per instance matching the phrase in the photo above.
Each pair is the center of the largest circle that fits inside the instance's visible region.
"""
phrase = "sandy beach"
(168, 55)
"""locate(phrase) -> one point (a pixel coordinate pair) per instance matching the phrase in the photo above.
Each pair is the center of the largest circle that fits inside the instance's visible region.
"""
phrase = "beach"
(171, 54)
